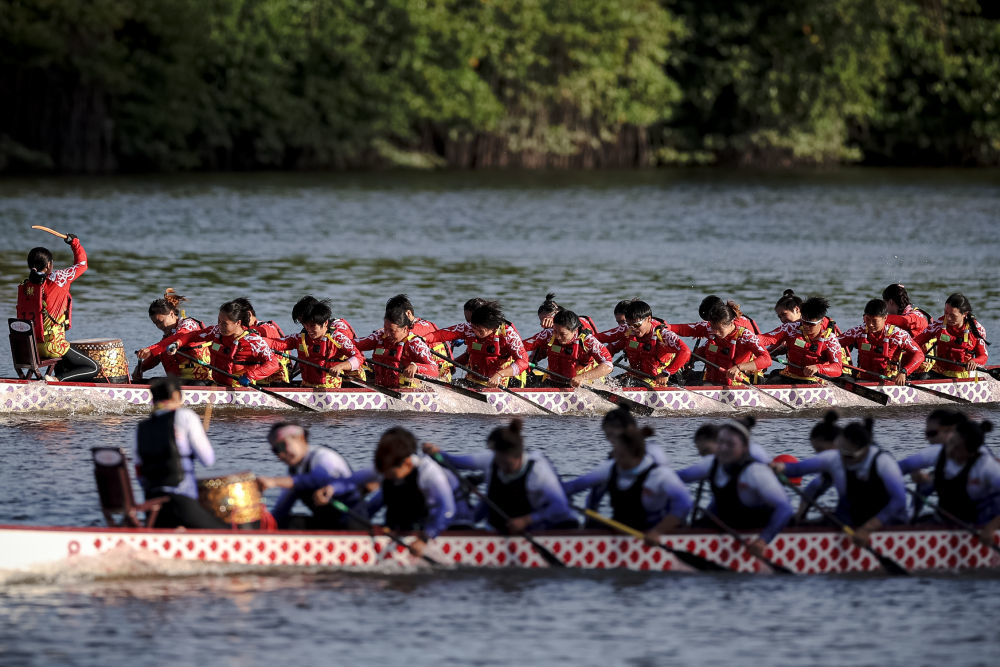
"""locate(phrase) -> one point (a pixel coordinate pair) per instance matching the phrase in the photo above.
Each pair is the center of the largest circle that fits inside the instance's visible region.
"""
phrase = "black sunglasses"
(931, 432)
(279, 447)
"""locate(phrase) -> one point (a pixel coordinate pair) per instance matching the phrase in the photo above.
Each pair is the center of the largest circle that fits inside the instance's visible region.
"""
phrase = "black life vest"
(511, 497)
(953, 494)
(728, 506)
(405, 505)
(626, 504)
(328, 515)
(865, 499)
(161, 461)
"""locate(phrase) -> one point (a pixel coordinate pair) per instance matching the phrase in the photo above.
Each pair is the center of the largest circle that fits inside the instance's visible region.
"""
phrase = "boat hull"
(805, 551)
(25, 396)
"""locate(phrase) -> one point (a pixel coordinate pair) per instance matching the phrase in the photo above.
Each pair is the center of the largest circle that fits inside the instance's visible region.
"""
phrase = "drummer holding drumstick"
(166, 447)
(44, 299)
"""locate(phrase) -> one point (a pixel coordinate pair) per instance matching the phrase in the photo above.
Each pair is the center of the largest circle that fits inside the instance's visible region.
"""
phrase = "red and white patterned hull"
(25, 396)
(806, 551)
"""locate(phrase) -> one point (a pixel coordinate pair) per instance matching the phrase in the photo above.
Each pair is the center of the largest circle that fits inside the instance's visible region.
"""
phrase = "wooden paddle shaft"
(50, 231)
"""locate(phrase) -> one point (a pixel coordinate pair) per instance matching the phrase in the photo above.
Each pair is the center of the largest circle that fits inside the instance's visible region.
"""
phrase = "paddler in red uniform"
(44, 299)
(730, 343)
(396, 346)
(572, 351)
(650, 345)
(614, 339)
(420, 327)
(305, 304)
(496, 351)
(268, 330)
(812, 345)
(883, 349)
(233, 347)
(538, 342)
(320, 343)
(168, 318)
(957, 336)
(902, 313)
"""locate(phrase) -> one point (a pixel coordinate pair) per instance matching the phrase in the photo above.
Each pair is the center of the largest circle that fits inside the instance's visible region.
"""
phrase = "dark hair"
(620, 417)
(280, 425)
(168, 304)
(568, 319)
(622, 306)
(474, 303)
(788, 301)
(897, 294)
(236, 311)
(39, 258)
(397, 315)
(318, 313)
(489, 315)
(245, 303)
(638, 310)
(302, 306)
(814, 308)
(507, 439)
(549, 306)
(163, 388)
(707, 304)
(394, 447)
(973, 434)
(876, 308)
(633, 439)
(399, 300)
(947, 416)
(961, 303)
(719, 312)
(706, 431)
(827, 429)
(859, 434)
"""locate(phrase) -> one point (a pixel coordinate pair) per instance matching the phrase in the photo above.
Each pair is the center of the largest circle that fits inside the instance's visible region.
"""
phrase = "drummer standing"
(44, 299)
(166, 447)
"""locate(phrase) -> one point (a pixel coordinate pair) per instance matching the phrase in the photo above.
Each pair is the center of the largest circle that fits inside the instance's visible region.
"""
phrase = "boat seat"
(114, 486)
(24, 350)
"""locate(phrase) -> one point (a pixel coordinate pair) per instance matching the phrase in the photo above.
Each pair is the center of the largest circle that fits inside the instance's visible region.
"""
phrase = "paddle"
(470, 393)
(344, 509)
(391, 393)
(542, 550)
(483, 377)
(952, 519)
(888, 564)
(206, 418)
(50, 231)
(690, 559)
(272, 394)
(847, 385)
(742, 541)
(609, 396)
(955, 363)
(934, 392)
(695, 355)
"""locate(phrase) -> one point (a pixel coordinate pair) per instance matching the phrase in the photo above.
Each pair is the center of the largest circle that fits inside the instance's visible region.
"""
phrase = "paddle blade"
(889, 565)
(695, 561)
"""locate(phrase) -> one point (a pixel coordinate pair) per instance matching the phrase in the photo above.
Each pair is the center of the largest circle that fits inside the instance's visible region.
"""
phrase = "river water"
(668, 236)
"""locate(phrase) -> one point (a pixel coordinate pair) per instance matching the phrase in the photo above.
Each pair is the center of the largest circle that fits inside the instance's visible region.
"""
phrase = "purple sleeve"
(925, 458)
(891, 476)
(283, 507)
(598, 475)
(546, 494)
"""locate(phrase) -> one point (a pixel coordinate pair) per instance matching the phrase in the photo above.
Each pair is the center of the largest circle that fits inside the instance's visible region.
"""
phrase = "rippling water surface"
(670, 237)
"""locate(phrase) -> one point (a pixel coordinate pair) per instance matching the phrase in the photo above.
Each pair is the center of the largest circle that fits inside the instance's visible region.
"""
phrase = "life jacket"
(511, 497)
(405, 505)
(879, 356)
(723, 353)
(161, 460)
(805, 351)
(392, 356)
(327, 517)
(319, 351)
(957, 348)
(270, 329)
(421, 328)
(563, 358)
(953, 494)
(626, 504)
(728, 506)
(50, 330)
(587, 324)
(485, 357)
(642, 354)
(174, 364)
(865, 498)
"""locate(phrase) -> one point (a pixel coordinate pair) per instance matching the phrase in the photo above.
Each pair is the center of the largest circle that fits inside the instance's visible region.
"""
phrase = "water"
(670, 237)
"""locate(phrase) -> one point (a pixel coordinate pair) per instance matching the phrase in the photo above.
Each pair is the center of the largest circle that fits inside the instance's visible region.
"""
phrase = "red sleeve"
(369, 342)
(515, 349)
(349, 348)
(772, 338)
(182, 338)
(597, 351)
(283, 344)
(762, 358)
(418, 353)
(673, 343)
(833, 366)
(611, 335)
(267, 361)
(912, 356)
(454, 332)
(693, 330)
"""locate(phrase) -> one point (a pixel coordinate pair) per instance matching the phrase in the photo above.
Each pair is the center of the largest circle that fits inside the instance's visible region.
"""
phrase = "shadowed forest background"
(142, 85)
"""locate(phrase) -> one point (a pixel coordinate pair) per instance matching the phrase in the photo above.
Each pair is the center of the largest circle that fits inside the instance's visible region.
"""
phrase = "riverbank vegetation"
(135, 85)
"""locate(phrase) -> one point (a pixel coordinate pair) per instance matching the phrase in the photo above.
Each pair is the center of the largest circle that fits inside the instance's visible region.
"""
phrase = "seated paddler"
(167, 444)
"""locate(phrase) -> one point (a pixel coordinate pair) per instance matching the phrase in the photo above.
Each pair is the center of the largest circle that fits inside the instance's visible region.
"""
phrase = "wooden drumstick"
(50, 231)
(206, 418)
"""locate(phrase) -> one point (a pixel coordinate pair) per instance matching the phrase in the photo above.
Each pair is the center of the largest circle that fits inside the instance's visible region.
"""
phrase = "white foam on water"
(454, 402)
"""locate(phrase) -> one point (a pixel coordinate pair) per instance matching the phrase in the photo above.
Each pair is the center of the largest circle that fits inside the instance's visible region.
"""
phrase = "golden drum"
(235, 499)
(108, 354)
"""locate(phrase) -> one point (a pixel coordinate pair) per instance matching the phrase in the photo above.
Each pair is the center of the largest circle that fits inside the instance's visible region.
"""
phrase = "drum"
(108, 354)
(234, 499)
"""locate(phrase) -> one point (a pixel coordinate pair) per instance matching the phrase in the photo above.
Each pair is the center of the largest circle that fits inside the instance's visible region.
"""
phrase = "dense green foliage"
(108, 85)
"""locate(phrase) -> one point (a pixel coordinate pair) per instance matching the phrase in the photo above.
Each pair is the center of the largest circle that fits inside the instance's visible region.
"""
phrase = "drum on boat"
(234, 499)
(108, 354)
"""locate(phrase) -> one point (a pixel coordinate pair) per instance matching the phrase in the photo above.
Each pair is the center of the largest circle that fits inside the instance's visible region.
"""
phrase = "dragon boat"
(802, 550)
(42, 396)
